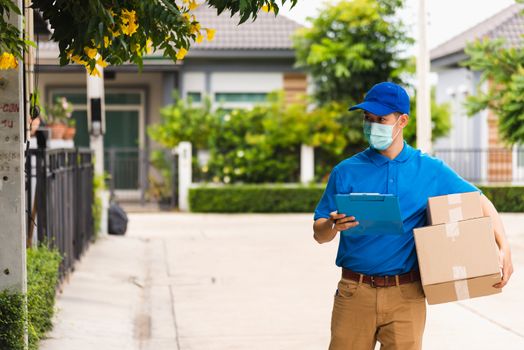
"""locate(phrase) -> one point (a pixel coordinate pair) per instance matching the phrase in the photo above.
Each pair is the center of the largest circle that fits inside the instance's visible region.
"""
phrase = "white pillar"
(13, 274)
(184, 174)
(307, 163)
(96, 110)
(423, 88)
(96, 120)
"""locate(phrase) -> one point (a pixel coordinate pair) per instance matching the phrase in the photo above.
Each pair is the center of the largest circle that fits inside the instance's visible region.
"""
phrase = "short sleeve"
(449, 182)
(327, 204)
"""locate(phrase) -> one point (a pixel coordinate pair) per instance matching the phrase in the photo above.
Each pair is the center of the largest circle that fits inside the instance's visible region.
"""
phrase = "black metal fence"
(486, 165)
(59, 185)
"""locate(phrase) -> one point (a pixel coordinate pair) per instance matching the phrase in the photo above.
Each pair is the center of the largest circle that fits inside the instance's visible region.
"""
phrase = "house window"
(249, 97)
(195, 97)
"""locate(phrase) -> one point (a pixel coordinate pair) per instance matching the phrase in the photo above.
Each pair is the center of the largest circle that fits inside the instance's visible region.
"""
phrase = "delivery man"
(380, 296)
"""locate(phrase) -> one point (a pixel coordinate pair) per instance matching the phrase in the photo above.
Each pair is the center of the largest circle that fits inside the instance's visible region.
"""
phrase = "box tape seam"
(455, 214)
(461, 284)
(452, 230)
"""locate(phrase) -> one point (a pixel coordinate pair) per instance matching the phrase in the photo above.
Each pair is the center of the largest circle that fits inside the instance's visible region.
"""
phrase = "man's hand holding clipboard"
(368, 214)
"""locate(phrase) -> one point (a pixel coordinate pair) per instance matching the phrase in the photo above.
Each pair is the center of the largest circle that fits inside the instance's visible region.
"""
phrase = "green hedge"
(42, 278)
(12, 319)
(254, 199)
(505, 198)
(303, 199)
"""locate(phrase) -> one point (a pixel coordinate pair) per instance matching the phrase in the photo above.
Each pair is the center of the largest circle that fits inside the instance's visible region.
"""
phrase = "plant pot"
(34, 125)
(57, 130)
(70, 133)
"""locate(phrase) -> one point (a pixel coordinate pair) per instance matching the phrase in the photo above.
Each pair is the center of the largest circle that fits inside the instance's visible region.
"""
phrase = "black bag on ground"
(117, 218)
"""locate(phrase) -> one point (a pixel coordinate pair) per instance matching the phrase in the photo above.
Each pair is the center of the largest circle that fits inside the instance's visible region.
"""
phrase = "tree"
(502, 70)
(352, 45)
(116, 31)
(440, 120)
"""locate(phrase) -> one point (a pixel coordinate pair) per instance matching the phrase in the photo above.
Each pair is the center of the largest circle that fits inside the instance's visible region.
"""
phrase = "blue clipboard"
(377, 214)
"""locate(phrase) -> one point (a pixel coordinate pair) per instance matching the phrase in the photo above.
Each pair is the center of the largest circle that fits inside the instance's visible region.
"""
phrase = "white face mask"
(379, 135)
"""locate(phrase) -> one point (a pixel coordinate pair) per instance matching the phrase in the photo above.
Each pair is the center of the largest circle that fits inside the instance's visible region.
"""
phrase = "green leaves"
(10, 37)
(102, 25)
(501, 87)
(352, 45)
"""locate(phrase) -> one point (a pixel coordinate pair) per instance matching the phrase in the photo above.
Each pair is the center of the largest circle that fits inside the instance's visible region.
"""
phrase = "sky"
(447, 18)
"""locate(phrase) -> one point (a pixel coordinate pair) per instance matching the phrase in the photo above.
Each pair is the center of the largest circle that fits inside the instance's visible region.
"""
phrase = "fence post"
(307, 163)
(184, 174)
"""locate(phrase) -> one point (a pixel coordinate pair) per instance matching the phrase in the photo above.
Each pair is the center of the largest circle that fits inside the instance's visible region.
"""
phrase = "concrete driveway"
(225, 282)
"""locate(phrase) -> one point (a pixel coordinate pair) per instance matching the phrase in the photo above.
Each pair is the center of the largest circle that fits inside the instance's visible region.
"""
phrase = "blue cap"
(385, 98)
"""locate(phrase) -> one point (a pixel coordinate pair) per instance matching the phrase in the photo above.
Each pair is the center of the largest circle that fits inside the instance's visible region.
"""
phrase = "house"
(473, 147)
(237, 69)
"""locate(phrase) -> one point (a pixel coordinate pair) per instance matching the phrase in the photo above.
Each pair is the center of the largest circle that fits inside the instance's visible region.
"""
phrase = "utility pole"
(423, 88)
(13, 275)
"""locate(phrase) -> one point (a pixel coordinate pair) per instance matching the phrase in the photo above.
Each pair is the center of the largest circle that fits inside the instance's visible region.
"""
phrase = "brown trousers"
(362, 315)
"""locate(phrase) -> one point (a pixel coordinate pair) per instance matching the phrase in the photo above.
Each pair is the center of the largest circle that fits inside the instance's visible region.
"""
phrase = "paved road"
(226, 282)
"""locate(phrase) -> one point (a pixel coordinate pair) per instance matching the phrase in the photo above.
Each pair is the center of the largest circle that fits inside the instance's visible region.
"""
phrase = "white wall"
(453, 87)
(193, 82)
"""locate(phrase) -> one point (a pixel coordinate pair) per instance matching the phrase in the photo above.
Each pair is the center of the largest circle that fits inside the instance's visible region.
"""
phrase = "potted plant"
(71, 129)
(57, 117)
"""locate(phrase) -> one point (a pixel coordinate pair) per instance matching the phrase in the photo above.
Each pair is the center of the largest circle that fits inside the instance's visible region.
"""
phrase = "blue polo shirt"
(413, 176)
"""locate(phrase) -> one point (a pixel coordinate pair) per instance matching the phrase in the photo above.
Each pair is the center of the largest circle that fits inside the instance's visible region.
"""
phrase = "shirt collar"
(380, 159)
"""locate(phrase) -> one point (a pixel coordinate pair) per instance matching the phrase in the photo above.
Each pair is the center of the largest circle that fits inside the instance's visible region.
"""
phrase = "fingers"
(507, 271)
(346, 225)
(346, 219)
(334, 215)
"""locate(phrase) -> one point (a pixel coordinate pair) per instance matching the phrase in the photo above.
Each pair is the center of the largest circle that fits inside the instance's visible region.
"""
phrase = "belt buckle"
(373, 282)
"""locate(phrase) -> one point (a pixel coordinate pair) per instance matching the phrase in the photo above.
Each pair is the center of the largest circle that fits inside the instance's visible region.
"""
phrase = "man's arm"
(324, 230)
(489, 209)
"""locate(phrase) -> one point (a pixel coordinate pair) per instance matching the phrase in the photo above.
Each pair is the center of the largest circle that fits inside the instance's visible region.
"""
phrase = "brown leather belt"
(381, 281)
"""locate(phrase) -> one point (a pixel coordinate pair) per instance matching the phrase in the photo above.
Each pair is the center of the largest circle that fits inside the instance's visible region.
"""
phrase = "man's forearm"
(323, 231)
(489, 209)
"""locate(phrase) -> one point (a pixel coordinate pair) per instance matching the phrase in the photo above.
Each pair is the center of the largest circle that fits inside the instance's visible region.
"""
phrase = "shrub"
(12, 319)
(42, 278)
(297, 198)
(505, 198)
(255, 199)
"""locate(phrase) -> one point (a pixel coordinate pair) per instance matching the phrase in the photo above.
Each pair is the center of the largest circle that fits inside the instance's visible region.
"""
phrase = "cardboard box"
(458, 260)
(453, 208)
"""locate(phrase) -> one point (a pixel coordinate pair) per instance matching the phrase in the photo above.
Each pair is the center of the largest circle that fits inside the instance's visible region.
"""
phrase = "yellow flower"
(107, 41)
(186, 16)
(115, 34)
(194, 28)
(181, 54)
(199, 38)
(149, 46)
(129, 29)
(100, 61)
(129, 25)
(8, 61)
(93, 72)
(210, 34)
(128, 16)
(192, 5)
(78, 59)
(90, 52)
(267, 8)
